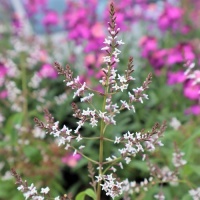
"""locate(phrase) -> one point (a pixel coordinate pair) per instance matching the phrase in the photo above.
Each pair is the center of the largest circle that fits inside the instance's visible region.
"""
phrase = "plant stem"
(102, 131)
(101, 151)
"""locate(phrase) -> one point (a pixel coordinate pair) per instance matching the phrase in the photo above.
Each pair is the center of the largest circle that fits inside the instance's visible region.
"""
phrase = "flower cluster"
(111, 186)
(195, 194)
(132, 142)
(113, 83)
(31, 191)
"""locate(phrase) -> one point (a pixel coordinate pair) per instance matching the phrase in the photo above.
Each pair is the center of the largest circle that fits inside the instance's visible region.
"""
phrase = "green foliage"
(88, 192)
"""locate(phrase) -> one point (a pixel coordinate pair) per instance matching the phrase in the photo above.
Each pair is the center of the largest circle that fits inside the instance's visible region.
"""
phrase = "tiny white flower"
(61, 141)
(93, 121)
(79, 138)
(45, 190)
(67, 147)
(107, 59)
(81, 147)
(128, 160)
(75, 152)
(105, 48)
(107, 41)
(116, 60)
(117, 140)
(120, 42)
(175, 123)
(21, 188)
(122, 79)
(99, 178)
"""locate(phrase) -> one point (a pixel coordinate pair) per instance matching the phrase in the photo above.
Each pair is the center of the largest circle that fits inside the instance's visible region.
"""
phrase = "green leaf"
(89, 192)
(192, 137)
(10, 124)
(33, 154)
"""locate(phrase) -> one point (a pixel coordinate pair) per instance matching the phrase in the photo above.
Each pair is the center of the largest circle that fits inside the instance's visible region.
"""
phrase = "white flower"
(121, 166)
(70, 83)
(116, 52)
(195, 193)
(55, 126)
(32, 189)
(109, 159)
(81, 147)
(61, 141)
(21, 188)
(57, 198)
(67, 147)
(177, 159)
(117, 140)
(38, 198)
(99, 178)
(123, 87)
(102, 114)
(122, 79)
(79, 138)
(115, 87)
(105, 48)
(45, 190)
(175, 123)
(80, 124)
(116, 60)
(107, 59)
(93, 121)
(128, 160)
(107, 41)
(75, 152)
(125, 104)
(120, 42)
(68, 131)
(87, 98)
(159, 196)
(81, 89)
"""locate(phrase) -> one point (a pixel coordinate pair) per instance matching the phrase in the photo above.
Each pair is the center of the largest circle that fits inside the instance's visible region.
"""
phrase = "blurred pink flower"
(32, 6)
(3, 73)
(158, 58)
(3, 94)
(16, 22)
(43, 56)
(170, 18)
(175, 77)
(148, 45)
(70, 159)
(180, 53)
(185, 29)
(3, 70)
(195, 110)
(47, 71)
(188, 51)
(51, 18)
(191, 90)
(97, 30)
(174, 56)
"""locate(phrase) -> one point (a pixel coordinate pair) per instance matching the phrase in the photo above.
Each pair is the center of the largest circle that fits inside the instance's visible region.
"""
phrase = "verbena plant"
(104, 170)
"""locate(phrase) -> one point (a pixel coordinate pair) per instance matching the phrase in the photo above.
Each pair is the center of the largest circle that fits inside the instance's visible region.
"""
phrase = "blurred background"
(162, 36)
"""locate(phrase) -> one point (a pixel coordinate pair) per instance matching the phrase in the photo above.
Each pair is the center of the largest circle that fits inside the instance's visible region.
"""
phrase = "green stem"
(89, 159)
(111, 164)
(102, 131)
(101, 151)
